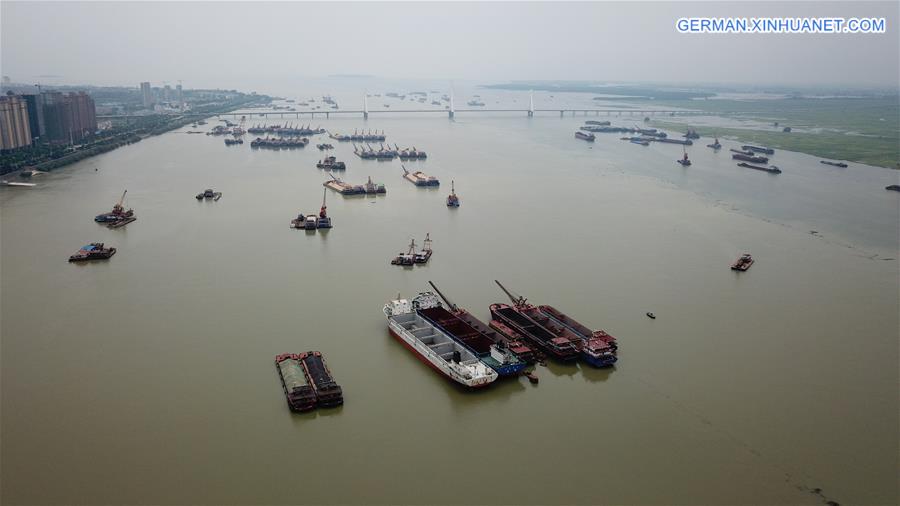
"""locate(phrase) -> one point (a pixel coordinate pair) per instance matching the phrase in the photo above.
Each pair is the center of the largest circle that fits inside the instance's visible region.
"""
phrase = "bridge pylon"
(452, 112)
(366, 105)
(531, 104)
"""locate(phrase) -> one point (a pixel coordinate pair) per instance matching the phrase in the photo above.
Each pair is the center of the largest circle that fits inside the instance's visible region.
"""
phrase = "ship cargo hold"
(300, 396)
(434, 347)
(328, 392)
(486, 349)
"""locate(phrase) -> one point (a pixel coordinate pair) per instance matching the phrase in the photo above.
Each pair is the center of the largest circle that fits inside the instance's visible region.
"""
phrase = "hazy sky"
(218, 43)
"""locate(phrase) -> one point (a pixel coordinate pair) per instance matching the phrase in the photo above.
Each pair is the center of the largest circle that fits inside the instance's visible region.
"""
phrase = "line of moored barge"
(307, 381)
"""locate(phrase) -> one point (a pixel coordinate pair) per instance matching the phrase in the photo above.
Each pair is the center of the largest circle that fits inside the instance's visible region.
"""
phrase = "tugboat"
(118, 217)
(715, 145)
(92, 251)
(585, 137)
(452, 199)
(743, 263)
(300, 396)
(408, 258)
(422, 257)
(433, 346)
(685, 161)
(373, 188)
(331, 163)
(209, 194)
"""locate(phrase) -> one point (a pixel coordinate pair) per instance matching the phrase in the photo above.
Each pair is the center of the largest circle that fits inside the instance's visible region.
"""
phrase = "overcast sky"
(217, 43)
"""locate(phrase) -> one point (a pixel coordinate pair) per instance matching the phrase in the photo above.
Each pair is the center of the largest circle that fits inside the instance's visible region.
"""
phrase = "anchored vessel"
(232, 142)
(118, 217)
(558, 334)
(771, 170)
(452, 199)
(421, 257)
(311, 221)
(300, 396)
(585, 137)
(328, 392)
(759, 149)
(715, 145)
(360, 136)
(684, 161)
(331, 163)
(419, 178)
(502, 341)
(92, 251)
(749, 158)
(323, 147)
(209, 194)
(433, 346)
(343, 188)
(743, 263)
(836, 164)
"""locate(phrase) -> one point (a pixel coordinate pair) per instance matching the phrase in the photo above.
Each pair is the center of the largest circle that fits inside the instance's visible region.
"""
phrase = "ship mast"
(516, 300)
(426, 244)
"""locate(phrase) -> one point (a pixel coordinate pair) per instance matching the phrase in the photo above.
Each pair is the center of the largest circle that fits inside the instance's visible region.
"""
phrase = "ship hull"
(599, 361)
(425, 360)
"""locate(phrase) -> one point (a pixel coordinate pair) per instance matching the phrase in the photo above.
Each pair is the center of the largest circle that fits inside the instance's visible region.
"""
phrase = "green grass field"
(864, 130)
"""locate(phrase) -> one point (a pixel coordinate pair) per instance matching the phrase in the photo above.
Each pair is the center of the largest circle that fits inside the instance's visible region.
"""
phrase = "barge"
(299, 395)
(328, 393)
(495, 355)
(419, 178)
(835, 164)
(742, 263)
(596, 348)
(771, 170)
(758, 149)
(516, 345)
(331, 163)
(118, 217)
(434, 347)
(92, 251)
(749, 158)
(311, 221)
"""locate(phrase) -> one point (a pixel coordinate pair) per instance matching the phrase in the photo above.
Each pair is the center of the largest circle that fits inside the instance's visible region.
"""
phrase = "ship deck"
(462, 331)
(525, 325)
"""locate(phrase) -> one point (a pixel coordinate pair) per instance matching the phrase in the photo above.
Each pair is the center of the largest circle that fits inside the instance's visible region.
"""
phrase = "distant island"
(625, 92)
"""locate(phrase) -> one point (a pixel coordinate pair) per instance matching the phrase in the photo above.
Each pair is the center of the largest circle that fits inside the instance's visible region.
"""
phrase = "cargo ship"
(331, 163)
(759, 149)
(300, 396)
(577, 327)
(410, 154)
(118, 217)
(419, 178)
(515, 345)
(498, 358)
(92, 251)
(434, 347)
(328, 392)
(749, 158)
(585, 137)
(743, 263)
(452, 199)
(835, 164)
(516, 317)
(771, 170)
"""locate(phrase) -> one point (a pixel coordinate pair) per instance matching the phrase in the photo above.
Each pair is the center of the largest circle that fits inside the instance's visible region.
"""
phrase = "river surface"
(149, 378)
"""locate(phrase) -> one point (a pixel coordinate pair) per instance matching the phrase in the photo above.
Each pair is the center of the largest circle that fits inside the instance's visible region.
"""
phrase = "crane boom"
(517, 300)
(449, 302)
(122, 199)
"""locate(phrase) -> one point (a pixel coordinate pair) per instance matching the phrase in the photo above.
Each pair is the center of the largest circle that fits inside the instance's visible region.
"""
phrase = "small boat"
(685, 162)
(323, 147)
(835, 164)
(92, 251)
(893, 187)
(743, 263)
(532, 377)
(640, 142)
(585, 137)
(452, 199)
(651, 316)
(715, 145)
(209, 194)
